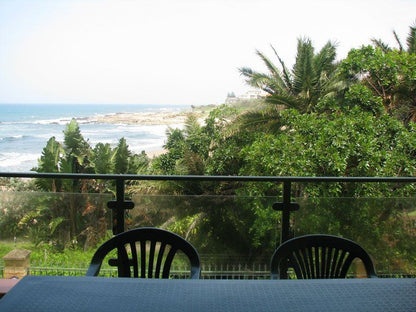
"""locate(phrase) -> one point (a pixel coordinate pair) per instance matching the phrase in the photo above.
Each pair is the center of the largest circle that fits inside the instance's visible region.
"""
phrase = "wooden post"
(16, 263)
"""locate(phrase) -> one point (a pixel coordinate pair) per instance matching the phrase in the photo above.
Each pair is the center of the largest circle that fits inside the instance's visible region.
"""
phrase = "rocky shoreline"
(147, 118)
(164, 117)
(154, 118)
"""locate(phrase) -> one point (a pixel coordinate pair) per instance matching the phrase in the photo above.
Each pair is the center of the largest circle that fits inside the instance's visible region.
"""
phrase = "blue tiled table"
(49, 293)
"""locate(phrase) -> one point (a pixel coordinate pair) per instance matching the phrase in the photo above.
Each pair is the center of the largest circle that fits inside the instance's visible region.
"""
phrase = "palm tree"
(311, 78)
(49, 162)
(410, 41)
(405, 106)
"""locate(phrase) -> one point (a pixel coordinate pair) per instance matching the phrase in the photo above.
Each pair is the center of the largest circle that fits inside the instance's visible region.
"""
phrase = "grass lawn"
(47, 256)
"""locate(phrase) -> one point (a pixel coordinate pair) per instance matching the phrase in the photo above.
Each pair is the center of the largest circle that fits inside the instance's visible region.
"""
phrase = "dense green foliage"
(333, 144)
(391, 76)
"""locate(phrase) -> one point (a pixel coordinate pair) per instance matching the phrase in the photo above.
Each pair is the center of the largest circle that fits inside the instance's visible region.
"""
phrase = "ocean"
(25, 129)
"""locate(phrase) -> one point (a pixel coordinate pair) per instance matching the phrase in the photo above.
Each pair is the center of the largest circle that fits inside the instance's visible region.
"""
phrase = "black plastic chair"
(157, 248)
(318, 256)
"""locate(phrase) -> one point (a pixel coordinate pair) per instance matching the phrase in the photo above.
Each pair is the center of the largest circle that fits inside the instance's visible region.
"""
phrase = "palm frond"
(398, 40)
(259, 80)
(334, 85)
(276, 81)
(285, 70)
(275, 72)
(192, 125)
(246, 71)
(264, 119)
(411, 40)
(289, 101)
(303, 71)
(381, 45)
(262, 81)
(324, 60)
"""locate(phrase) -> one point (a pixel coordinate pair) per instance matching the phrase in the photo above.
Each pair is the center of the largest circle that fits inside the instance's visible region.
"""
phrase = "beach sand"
(153, 154)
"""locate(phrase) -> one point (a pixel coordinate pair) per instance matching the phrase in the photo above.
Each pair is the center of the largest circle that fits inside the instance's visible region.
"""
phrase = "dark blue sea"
(25, 129)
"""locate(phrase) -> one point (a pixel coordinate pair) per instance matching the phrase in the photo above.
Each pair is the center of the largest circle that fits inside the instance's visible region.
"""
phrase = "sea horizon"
(26, 128)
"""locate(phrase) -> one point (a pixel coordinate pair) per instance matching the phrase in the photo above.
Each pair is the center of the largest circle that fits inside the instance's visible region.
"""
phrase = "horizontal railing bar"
(204, 177)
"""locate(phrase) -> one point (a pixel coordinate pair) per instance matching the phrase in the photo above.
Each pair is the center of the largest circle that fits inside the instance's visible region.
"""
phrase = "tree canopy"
(311, 78)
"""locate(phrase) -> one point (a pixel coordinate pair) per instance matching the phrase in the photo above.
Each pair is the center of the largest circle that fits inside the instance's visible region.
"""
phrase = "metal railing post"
(118, 206)
(286, 207)
(285, 234)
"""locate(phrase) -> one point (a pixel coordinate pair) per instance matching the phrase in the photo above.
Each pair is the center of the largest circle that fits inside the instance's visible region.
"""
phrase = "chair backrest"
(148, 251)
(318, 256)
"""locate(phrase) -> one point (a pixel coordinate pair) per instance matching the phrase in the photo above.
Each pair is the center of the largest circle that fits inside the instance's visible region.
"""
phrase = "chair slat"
(340, 263)
(334, 264)
(316, 263)
(151, 259)
(168, 262)
(143, 258)
(347, 263)
(305, 263)
(328, 262)
(134, 259)
(159, 259)
(297, 262)
(322, 261)
(123, 264)
(311, 266)
(294, 263)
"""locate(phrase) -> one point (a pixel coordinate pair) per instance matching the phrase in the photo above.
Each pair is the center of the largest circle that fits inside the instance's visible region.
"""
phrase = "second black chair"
(153, 259)
(318, 256)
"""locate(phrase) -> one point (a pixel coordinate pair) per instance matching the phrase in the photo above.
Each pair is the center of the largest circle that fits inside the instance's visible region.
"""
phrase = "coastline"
(164, 117)
(22, 142)
(145, 118)
(152, 118)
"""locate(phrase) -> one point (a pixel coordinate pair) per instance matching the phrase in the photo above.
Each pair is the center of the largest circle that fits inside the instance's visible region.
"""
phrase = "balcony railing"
(290, 221)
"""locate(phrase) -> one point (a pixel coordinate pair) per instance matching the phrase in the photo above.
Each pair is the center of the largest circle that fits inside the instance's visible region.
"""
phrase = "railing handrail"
(204, 177)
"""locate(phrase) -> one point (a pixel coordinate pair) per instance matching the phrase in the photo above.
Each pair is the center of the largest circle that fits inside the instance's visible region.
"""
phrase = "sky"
(178, 52)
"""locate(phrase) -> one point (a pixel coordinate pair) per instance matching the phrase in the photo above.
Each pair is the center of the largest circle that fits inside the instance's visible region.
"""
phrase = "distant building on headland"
(249, 95)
